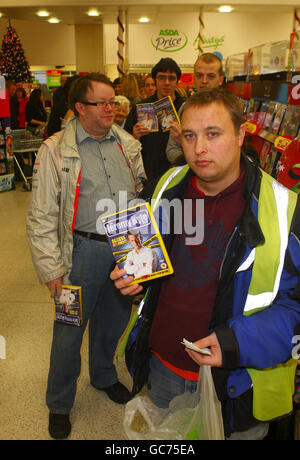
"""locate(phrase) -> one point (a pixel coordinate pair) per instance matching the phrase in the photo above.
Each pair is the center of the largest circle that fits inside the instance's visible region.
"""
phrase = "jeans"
(108, 313)
(164, 385)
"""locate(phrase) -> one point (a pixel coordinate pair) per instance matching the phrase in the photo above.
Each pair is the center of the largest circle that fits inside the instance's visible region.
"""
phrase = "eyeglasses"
(101, 104)
(166, 77)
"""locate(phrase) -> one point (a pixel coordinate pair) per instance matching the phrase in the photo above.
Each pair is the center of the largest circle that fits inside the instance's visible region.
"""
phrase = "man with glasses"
(208, 73)
(166, 75)
(89, 161)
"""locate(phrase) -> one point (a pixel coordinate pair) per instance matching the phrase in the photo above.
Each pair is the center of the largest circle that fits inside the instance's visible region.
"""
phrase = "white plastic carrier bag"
(191, 416)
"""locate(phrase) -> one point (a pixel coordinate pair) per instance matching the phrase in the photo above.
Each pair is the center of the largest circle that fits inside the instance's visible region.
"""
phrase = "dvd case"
(159, 113)
(264, 153)
(291, 121)
(136, 243)
(146, 116)
(281, 108)
(68, 307)
(271, 160)
(253, 106)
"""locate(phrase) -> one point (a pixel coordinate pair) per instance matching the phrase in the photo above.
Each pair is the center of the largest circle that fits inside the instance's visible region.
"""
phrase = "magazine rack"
(7, 176)
(272, 114)
(279, 154)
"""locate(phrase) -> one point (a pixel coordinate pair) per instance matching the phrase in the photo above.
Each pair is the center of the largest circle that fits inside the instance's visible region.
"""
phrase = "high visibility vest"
(169, 179)
(273, 387)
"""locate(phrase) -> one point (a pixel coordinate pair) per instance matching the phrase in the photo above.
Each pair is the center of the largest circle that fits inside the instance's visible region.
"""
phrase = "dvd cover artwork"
(291, 122)
(146, 116)
(68, 307)
(159, 113)
(136, 243)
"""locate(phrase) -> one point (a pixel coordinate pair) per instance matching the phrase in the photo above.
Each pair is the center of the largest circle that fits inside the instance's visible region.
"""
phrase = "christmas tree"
(12, 58)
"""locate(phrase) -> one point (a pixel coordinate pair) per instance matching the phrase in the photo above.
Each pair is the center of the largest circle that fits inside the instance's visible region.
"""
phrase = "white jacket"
(55, 189)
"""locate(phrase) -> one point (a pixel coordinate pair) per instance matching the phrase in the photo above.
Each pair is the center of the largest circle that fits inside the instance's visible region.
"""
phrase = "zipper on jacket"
(226, 251)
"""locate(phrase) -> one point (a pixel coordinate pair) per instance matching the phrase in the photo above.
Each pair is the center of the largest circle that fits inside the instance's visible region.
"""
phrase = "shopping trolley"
(23, 142)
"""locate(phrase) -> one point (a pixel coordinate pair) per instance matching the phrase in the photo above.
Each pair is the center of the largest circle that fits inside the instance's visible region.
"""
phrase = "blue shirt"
(104, 173)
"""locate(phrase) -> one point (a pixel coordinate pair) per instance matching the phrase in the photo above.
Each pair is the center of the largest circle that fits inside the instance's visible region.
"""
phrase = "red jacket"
(21, 115)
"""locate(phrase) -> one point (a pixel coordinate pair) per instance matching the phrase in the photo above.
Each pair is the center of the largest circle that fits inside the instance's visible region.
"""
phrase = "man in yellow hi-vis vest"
(236, 290)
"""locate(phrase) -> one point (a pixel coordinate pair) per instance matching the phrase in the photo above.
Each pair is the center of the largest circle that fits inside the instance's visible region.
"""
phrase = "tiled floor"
(26, 319)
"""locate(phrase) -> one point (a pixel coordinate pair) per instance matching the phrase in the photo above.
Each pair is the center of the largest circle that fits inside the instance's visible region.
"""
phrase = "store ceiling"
(74, 11)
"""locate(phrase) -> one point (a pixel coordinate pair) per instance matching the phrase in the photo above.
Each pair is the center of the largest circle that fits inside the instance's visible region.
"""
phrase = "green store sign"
(169, 40)
(209, 42)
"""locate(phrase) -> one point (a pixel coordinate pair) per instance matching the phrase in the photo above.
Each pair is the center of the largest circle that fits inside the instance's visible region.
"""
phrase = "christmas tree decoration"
(13, 62)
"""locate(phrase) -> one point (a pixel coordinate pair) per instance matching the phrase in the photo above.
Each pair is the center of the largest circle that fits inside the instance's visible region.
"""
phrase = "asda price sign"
(169, 40)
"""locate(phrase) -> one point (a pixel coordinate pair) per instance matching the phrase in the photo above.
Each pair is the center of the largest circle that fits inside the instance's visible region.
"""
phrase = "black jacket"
(35, 112)
(154, 144)
(14, 111)
(58, 111)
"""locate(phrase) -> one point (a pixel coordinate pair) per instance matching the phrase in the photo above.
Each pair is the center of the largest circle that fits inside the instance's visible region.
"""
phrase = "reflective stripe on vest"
(273, 388)
(265, 282)
(165, 181)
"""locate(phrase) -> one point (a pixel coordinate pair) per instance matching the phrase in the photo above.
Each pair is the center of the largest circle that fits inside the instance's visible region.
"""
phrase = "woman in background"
(60, 112)
(121, 110)
(149, 86)
(22, 99)
(131, 88)
(36, 115)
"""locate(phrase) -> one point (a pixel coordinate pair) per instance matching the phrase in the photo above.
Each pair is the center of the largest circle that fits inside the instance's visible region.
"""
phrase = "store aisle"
(26, 318)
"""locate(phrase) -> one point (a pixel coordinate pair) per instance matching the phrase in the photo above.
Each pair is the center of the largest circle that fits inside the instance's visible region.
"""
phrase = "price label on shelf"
(281, 143)
(252, 128)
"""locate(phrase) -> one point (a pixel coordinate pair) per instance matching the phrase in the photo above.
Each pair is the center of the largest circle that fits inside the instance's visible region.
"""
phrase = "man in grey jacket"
(90, 160)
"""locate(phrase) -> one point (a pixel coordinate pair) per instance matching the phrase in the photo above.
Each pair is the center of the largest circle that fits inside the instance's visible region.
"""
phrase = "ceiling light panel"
(225, 9)
(53, 20)
(93, 12)
(43, 13)
(144, 19)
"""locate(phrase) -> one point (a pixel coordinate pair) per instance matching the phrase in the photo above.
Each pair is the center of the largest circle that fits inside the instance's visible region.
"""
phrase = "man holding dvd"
(235, 295)
(89, 161)
(166, 75)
